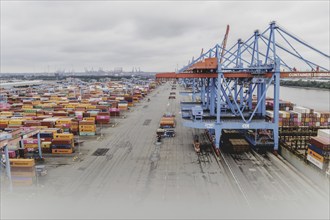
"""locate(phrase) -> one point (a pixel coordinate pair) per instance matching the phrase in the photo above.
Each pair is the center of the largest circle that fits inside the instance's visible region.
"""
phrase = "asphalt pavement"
(139, 178)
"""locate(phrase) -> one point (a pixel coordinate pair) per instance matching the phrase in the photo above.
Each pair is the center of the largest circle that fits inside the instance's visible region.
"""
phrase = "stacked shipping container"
(22, 172)
(62, 143)
(233, 141)
(167, 122)
(301, 116)
(65, 108)
(87, 127)
(318, 151)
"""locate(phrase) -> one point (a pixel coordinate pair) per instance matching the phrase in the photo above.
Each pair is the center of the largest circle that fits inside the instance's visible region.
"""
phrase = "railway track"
(208, 152)
(204, 156)
(263, 180)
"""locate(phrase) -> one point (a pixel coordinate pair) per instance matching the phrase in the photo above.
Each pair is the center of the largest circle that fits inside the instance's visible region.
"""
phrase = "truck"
(165, 132)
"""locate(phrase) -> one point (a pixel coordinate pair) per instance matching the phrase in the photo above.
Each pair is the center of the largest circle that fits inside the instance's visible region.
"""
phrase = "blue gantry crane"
(232, 83)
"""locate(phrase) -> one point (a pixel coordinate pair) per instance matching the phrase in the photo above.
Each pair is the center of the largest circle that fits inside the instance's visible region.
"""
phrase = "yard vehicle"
(196, 144)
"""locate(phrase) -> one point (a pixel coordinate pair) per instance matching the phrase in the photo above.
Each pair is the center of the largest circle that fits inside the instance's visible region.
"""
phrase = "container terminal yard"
(203, 142)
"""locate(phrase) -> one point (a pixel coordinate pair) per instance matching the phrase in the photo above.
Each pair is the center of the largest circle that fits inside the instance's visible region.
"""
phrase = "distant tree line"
(306, 84)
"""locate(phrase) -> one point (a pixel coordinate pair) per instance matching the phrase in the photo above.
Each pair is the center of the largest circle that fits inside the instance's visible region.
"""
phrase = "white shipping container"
(270, 113)
(5, 135)
(50, 119)
(299, 115)
(298, 109)
(318, 114)
(78, 113)
(95, 99)
(315, 161)
(324, 133)
(301, 109)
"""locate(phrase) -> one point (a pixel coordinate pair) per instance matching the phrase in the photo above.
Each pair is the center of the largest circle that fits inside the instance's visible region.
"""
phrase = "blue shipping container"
(318, 150)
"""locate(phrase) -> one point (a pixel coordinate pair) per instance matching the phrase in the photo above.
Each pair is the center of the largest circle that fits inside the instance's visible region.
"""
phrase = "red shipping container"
(12, 154)
(86, 123)
(3, 126)
(49, 124)
(86, 115)
(61, 141)
(320, 142)
(102, 121)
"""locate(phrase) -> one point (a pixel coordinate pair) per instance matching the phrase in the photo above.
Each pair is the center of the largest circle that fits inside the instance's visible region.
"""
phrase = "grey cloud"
(156, 36)
(161, 28)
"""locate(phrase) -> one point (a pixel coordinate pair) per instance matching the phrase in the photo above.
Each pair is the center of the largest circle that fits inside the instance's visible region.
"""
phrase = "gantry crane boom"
(224, 43)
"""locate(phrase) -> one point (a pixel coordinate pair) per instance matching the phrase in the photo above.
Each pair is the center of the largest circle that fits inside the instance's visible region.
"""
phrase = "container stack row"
(318, 151)
(61, 110)
(87, 127)
(283, 105)
(233, 141)
(65, 107)
(22, 172)
(62, 144)
(301, 116)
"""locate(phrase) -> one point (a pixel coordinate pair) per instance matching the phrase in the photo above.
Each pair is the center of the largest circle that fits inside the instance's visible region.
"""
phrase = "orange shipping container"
(65, 136)
(62, 151)
(22, 162)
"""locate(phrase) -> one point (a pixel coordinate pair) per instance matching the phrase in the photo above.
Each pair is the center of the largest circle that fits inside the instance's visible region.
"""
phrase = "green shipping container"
(86, 133)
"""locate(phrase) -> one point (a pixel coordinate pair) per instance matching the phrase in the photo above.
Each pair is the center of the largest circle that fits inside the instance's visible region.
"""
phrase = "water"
(318, 100)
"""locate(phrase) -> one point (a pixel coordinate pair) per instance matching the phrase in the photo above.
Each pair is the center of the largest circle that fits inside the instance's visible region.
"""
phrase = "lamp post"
(78, 145)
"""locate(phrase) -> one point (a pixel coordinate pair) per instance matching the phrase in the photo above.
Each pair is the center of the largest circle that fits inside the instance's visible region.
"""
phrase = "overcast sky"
(38, 36)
